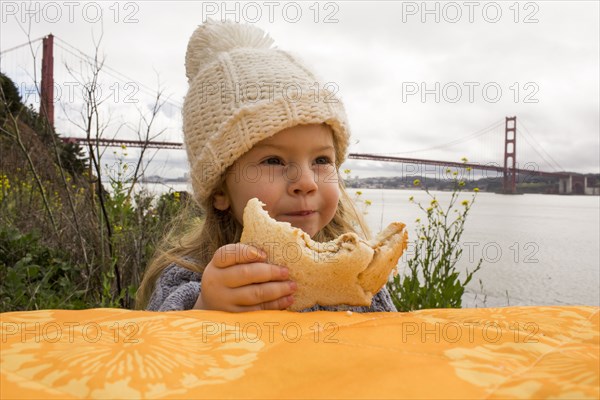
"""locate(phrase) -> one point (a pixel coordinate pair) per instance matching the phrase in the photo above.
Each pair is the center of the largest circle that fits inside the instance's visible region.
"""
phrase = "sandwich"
(346, 271)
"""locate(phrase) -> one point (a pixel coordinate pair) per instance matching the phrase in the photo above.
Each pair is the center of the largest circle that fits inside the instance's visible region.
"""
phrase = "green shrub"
(432, 280)
(33, 276)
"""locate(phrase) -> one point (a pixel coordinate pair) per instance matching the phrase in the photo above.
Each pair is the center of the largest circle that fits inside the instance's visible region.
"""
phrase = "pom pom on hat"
(212, 38)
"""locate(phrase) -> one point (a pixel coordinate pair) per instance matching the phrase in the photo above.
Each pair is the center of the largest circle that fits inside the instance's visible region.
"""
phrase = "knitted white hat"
(241, 91)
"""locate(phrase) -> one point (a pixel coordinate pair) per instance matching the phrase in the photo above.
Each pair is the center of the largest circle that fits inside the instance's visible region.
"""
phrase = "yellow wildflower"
(476, 190)
(368, 202)
(358, 192)
(464, 159)
(465, 203)
(4, 185)
(416, 182)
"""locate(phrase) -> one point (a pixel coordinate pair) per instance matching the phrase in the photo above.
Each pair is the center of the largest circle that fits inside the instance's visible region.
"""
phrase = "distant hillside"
(525, 184)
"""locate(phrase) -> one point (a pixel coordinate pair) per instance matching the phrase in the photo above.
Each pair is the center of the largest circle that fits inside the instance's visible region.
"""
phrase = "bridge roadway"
(355, 156)
(485, 167)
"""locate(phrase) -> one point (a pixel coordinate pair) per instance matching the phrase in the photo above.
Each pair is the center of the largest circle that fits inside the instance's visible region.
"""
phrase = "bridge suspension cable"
(3, 52)
(108, 70)
(454, 142)
(536, 145)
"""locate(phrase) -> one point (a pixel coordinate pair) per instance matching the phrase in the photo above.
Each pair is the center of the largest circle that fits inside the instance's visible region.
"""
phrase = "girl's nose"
(301, 179)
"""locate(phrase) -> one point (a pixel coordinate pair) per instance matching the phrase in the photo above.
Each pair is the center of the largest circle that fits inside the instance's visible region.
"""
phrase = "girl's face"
(293, 173)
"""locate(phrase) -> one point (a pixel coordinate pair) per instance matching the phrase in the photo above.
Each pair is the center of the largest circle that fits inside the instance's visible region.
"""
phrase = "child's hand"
(237, 279)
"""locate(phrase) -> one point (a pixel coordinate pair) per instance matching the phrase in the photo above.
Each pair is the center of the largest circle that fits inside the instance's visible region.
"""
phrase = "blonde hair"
(201, 239)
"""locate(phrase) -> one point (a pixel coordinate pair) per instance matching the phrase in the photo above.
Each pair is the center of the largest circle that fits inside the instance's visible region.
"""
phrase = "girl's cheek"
(329, 174)
(270, 174)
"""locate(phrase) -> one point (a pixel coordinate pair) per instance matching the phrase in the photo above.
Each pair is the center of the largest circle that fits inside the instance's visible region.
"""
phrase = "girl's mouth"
(302, 213)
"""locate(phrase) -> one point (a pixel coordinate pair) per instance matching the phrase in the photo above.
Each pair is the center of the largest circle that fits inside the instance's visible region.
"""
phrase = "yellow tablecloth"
(514, 352)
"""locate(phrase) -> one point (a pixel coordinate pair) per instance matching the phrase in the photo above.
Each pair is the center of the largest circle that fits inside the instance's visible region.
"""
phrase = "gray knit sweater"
(178, 288)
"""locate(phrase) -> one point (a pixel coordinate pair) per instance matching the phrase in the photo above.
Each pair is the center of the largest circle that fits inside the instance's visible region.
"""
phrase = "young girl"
(257, 123)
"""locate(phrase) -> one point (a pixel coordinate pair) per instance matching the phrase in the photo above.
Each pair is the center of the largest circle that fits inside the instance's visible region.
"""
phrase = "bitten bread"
(347, 270)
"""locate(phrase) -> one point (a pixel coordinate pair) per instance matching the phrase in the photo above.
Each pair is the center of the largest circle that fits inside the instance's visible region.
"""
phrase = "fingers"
(255, 297)
(238, 278)
(246, 274)
(249, 300)
(237, 253)
(264, 293)
(280, 304)
(238, 265)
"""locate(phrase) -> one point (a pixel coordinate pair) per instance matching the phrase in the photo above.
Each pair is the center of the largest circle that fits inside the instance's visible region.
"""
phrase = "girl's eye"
(323, 160)
(273, 161)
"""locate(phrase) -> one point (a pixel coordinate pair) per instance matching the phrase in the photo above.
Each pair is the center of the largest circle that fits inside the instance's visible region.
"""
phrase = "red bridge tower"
(47, 85)
(510, 155)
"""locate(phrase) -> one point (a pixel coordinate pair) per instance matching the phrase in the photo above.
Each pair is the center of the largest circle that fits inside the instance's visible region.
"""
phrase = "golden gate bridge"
(568, 182)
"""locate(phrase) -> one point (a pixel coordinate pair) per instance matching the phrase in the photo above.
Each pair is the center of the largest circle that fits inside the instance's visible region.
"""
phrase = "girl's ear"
(221, 201)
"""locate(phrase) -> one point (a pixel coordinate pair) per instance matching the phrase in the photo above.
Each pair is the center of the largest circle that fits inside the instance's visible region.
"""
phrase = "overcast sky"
(484, 60)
